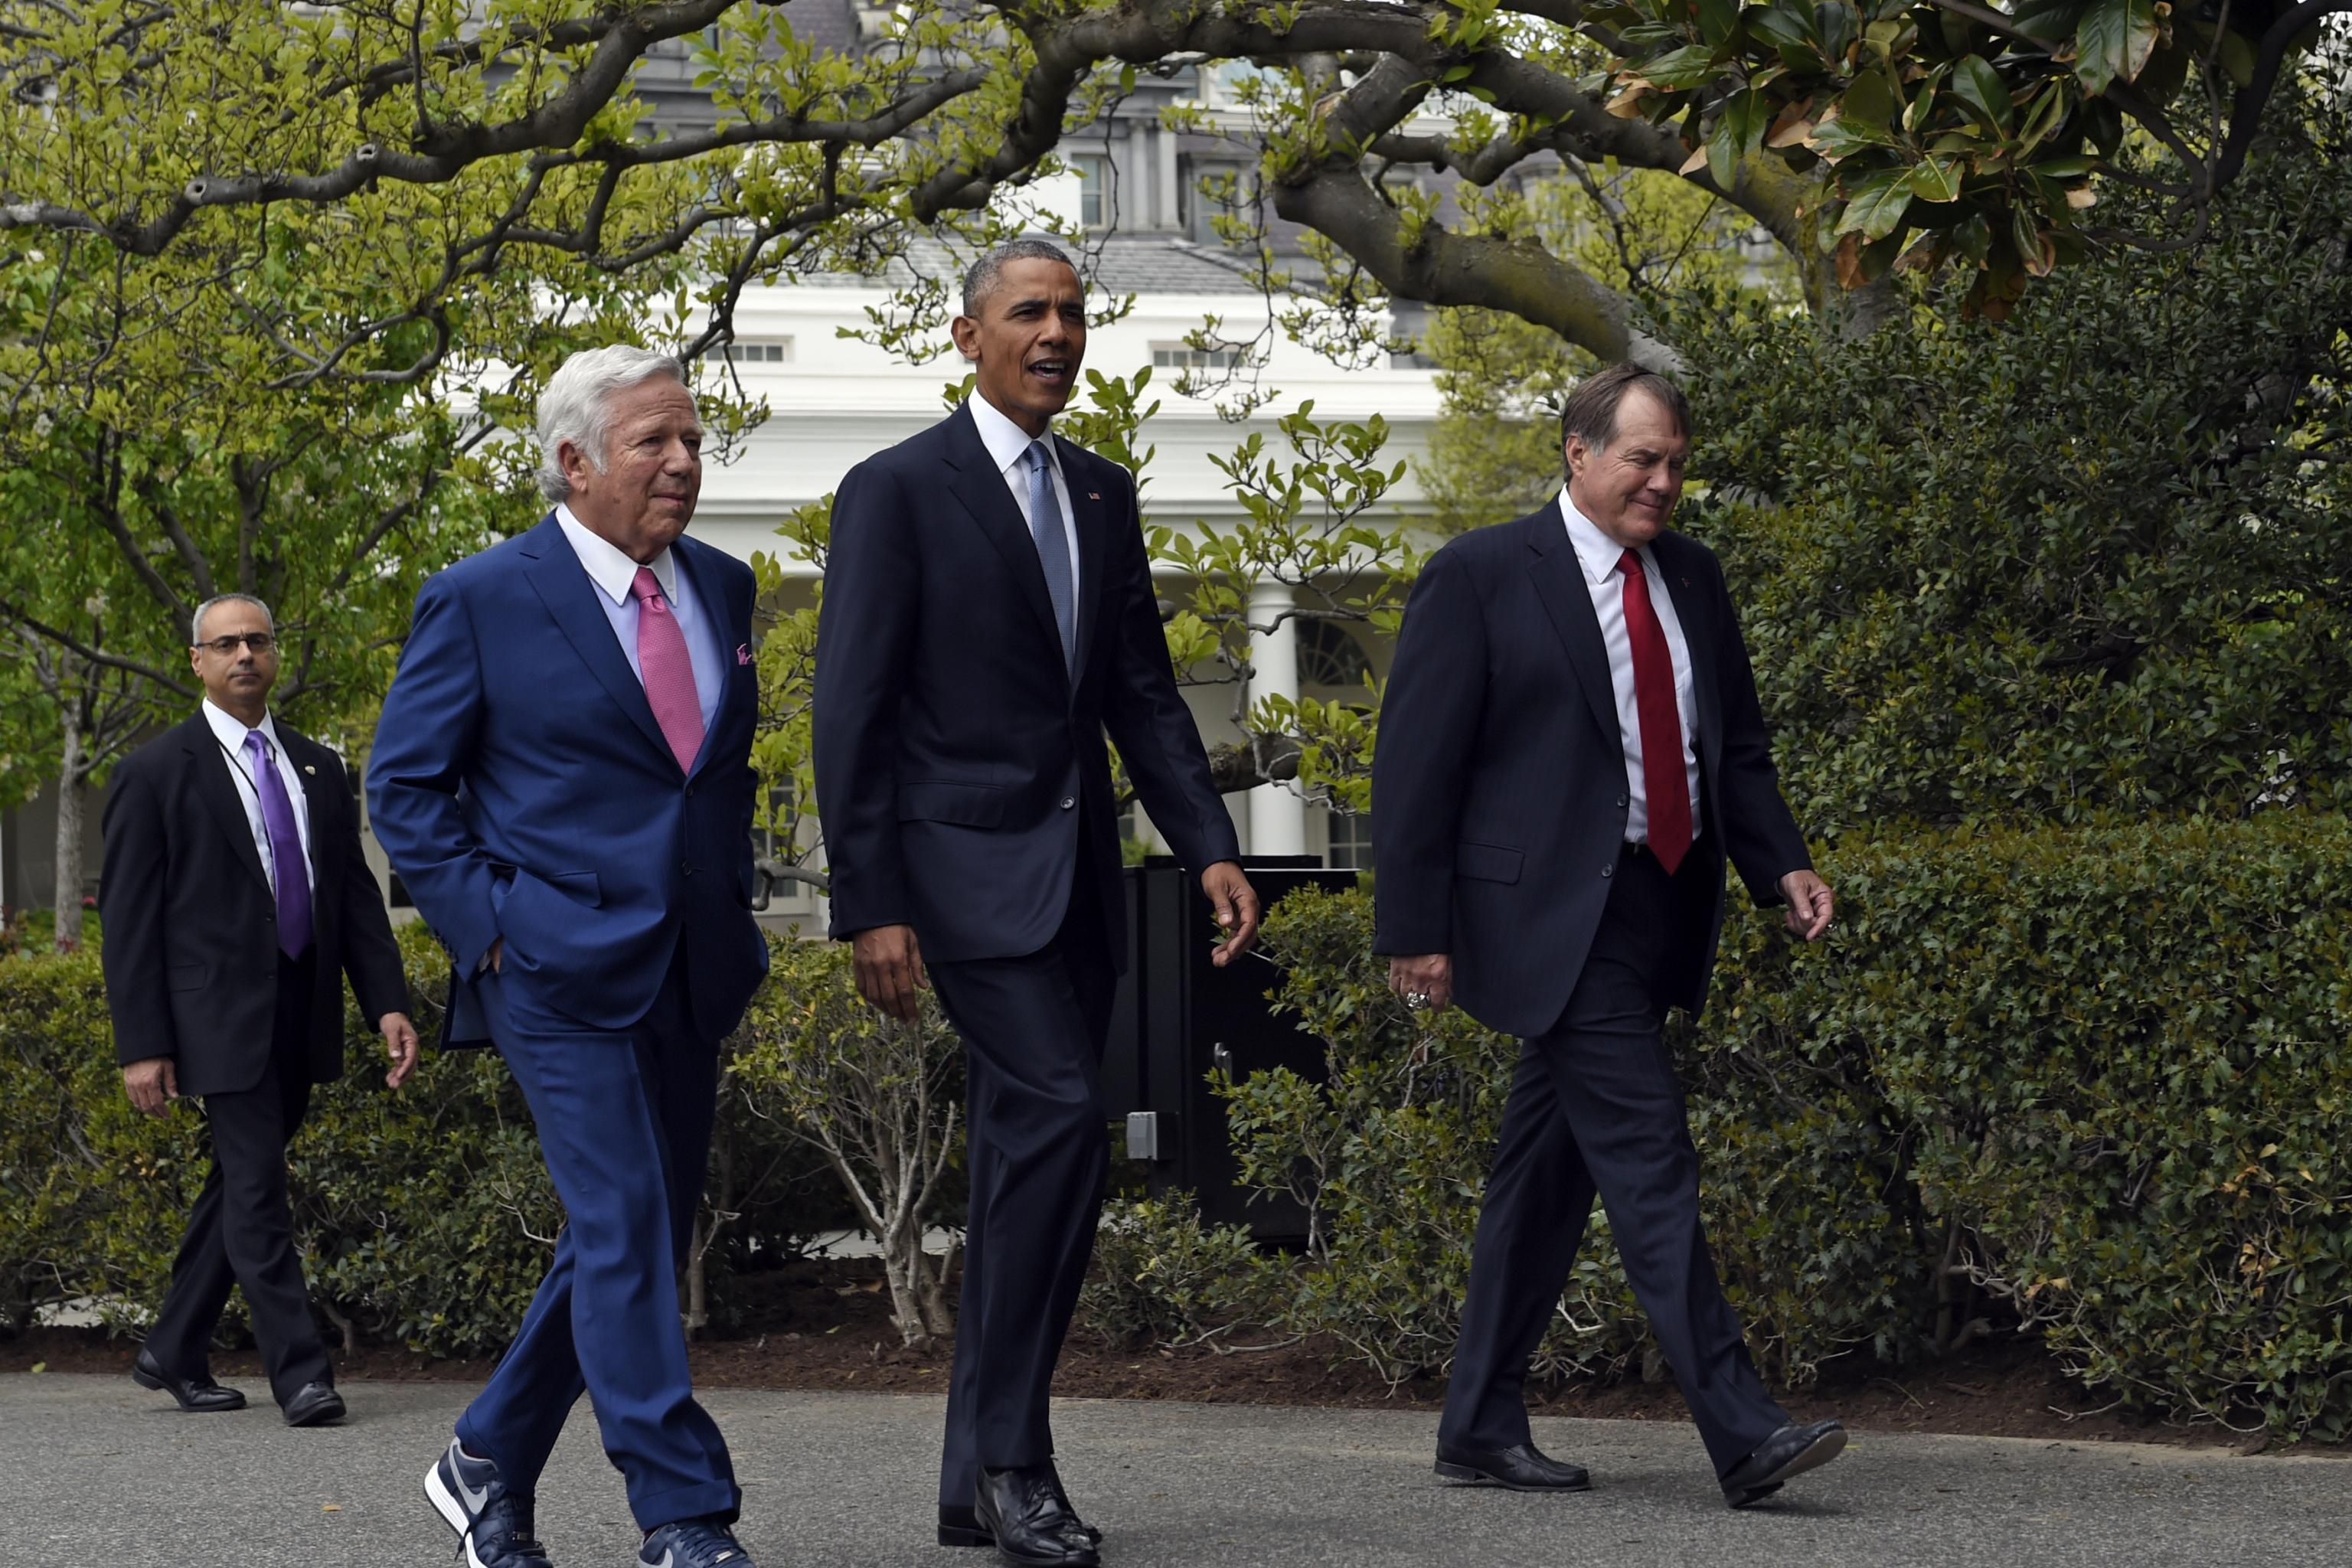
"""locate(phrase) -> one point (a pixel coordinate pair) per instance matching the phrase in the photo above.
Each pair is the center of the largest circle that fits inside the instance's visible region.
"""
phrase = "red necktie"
(1663, 784)
(667, 671)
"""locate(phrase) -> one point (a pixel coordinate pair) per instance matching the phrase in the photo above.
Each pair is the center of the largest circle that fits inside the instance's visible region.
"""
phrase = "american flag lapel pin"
(1093, 495)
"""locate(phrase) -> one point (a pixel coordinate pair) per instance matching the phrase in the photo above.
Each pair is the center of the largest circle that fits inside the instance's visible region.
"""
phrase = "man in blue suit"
(988, 616)
(1569, 749)
(562, 777)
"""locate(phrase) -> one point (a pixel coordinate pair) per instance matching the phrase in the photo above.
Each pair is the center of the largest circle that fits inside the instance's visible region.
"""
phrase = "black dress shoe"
(1790, 1451)
(1519, 1468)
(962, 1526)
(1023, 1512)
(199, 1394)
(316, 1404)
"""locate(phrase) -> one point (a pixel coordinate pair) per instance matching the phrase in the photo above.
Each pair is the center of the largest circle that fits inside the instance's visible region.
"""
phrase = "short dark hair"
(980, 278)
(1590, 411)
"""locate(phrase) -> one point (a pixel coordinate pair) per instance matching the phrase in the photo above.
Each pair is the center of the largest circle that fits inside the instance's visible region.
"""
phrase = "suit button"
(1608, 870)
(685, 871)
(1624, 800)
(1069, 802)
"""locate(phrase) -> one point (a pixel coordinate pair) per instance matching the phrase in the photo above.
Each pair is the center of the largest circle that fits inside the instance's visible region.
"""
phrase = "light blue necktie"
(1052, 550)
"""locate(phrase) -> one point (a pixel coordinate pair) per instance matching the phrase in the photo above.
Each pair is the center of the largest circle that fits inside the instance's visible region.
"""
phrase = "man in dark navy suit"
(563, 777)
(988, 615)
(1570, 748)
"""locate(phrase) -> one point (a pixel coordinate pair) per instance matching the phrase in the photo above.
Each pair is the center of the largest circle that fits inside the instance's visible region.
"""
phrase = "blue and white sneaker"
(493, 1524)
(693, 1544)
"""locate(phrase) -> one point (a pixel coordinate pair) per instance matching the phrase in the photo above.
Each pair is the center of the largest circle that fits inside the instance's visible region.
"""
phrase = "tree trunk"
(73, 796)
(938, 1312)
(903, 1266)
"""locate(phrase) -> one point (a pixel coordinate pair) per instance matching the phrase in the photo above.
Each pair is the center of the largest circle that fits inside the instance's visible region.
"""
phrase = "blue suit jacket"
(957, 762)
(1499, 794)
(524, 791)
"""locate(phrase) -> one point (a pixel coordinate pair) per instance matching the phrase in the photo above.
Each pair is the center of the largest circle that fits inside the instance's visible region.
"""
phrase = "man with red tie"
(1571, 748)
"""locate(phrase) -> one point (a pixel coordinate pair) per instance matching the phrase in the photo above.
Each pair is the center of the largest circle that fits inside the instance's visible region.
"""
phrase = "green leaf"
(2050, 21)
(1783, 28)
(1717, 18)
(1837, 23)
(2041, 119)
(1748, 114)
(1723, 152)
(1677, 69)
(1875, 202)
(2115, 39)
(1867, 104)
(1978, 85)
(1937, 179)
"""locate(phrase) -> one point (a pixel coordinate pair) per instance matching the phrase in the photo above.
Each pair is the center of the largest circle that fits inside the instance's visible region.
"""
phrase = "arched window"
(1330, 656)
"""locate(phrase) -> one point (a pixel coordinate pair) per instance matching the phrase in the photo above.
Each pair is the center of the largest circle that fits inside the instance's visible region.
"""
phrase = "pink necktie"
(666, 669)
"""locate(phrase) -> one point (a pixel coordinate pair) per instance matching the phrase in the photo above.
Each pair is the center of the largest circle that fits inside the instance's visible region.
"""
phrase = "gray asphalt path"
(96, 1473)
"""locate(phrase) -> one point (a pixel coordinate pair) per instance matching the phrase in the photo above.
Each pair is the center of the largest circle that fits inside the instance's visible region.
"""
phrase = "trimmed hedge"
(2087, 1084)
(424, 1216)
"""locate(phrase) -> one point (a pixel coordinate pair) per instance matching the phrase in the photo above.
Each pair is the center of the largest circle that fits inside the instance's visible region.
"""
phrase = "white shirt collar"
(1595, 550)
(1005, 441)
(608, 568)
(231, 732)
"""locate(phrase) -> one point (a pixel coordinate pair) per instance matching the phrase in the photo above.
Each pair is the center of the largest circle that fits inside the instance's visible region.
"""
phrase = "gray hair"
(980, 279)
(1590, 411)
(196, 621)
(573, 407)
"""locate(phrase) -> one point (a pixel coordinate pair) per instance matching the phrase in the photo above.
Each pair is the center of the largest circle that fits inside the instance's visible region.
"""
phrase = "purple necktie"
(285, 850)
(664, 665)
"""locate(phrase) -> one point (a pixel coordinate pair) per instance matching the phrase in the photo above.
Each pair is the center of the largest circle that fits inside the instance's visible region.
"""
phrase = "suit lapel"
(1560, 583)
(1090, 514)
(563, 586)
(980, 487)
(209, 774)
(1699, 631)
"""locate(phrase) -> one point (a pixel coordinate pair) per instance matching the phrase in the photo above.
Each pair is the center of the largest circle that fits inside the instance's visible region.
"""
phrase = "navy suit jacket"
(957, 762)
(1499, 794)
(524, 791)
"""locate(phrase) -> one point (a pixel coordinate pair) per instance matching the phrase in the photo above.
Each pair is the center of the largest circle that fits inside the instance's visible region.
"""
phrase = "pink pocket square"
(742, 653)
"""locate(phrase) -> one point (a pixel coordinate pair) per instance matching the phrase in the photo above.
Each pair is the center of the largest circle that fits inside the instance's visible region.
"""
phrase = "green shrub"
(425, 1215)
(2091, 559)
(1162, 1278)
(2086, 1083)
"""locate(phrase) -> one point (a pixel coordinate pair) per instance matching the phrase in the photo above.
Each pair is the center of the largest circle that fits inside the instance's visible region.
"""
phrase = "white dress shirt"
(613, 572)
(1007, 444)
(230, 732)
(1598, 554)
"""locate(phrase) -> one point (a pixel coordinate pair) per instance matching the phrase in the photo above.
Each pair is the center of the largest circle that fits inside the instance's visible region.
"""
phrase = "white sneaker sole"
(453, 1513)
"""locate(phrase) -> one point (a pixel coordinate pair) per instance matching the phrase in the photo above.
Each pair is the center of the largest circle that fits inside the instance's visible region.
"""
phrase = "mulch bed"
(824, 1325)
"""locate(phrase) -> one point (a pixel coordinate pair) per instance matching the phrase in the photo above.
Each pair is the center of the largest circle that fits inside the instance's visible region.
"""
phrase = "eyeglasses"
(259, 642)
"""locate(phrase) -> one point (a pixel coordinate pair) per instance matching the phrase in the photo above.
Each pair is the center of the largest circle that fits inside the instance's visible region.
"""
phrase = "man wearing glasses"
(233, 892)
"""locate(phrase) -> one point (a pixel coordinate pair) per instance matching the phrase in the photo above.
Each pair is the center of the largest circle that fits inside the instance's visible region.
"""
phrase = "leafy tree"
(2091, 562)
(171, 438)
(1400, 132)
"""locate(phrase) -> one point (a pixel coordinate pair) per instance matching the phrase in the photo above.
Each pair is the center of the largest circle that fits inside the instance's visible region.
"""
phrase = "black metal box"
(1179, 1015)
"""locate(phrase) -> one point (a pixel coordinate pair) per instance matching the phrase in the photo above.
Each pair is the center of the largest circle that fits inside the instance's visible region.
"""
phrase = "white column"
(1278, 817)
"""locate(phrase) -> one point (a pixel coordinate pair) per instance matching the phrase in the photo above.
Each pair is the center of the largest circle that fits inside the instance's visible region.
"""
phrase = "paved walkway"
(98, 1473)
